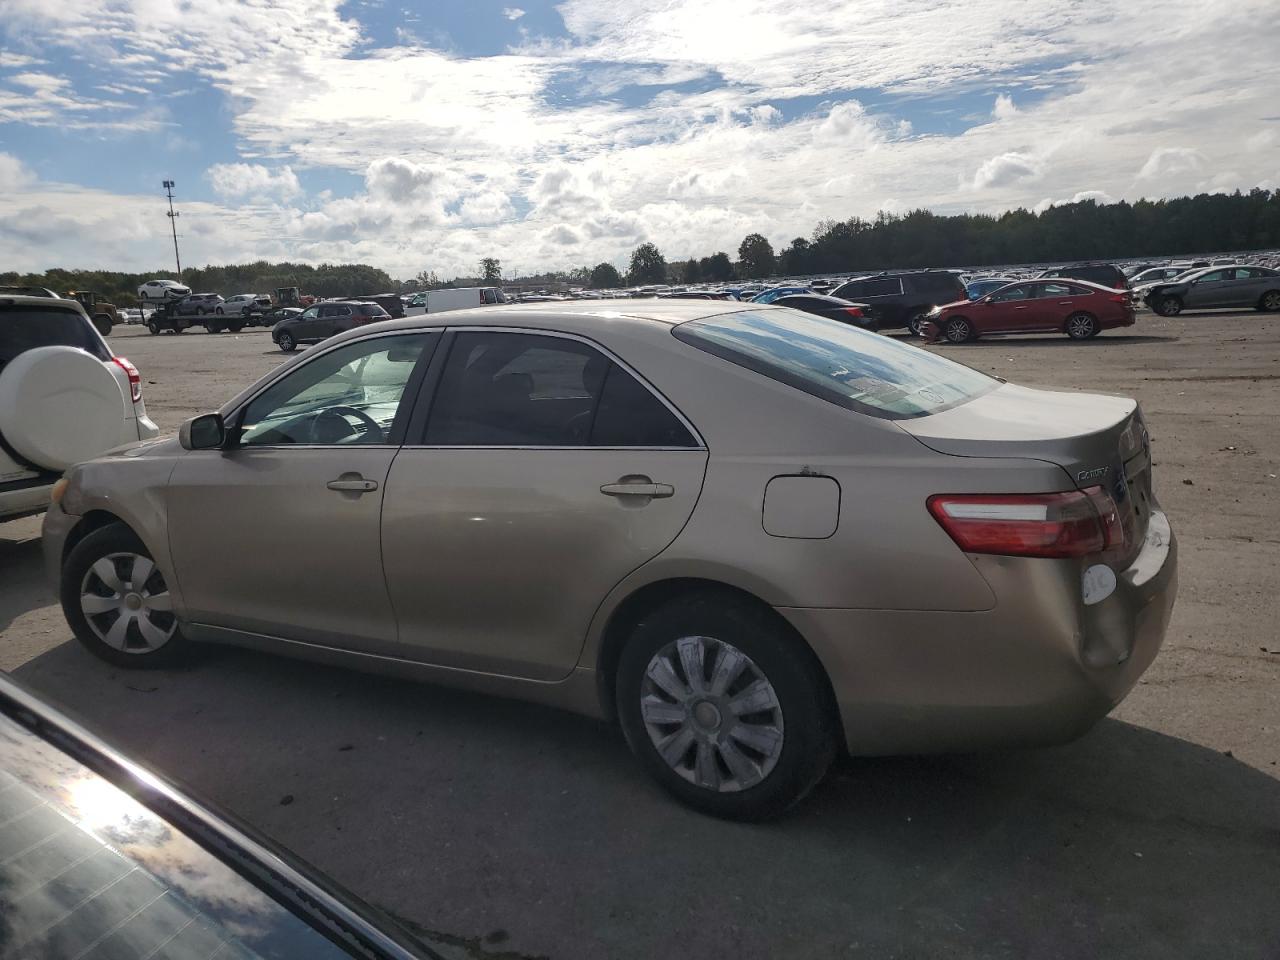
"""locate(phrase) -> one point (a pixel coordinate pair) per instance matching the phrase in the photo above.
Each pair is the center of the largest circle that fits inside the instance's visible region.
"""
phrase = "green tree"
(491, 270)
(647, 265)
(691, 273)
(755, 253)
(605, 276)
(717, 268)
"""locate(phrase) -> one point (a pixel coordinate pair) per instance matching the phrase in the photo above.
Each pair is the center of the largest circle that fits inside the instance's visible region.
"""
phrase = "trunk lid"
(1098, 440)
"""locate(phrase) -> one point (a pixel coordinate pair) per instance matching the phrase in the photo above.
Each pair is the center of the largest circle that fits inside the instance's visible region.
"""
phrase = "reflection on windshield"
(87, 871)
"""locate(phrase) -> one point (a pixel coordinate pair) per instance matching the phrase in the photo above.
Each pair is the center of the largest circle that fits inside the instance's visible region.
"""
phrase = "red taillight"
(1121, 298)
(854, 311)
(135, 379)
(1073, 524)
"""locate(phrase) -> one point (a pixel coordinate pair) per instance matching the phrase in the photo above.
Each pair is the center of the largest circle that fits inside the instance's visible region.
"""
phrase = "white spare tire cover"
(59, 406)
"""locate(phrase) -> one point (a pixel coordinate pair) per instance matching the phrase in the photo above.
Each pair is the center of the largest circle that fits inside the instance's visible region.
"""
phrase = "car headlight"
(58, 490)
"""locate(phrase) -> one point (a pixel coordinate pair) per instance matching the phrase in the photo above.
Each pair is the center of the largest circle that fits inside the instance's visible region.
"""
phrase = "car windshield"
(842, 364)
(88, 871)
(24, 328)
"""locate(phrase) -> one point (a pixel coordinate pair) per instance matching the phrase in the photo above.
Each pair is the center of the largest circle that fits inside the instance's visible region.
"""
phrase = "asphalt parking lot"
(500, 829)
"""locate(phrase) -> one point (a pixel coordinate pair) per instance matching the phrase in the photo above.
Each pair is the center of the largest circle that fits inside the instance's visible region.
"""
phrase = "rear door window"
(629, 415)
(883, 287)
(852, 368)
(24, 328)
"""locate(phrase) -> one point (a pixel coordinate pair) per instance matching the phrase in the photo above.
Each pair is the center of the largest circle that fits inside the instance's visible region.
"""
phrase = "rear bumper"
(1039, 668)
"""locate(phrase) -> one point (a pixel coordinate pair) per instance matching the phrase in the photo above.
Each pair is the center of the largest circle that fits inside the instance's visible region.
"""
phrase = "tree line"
(1087, 230)
(325, 280)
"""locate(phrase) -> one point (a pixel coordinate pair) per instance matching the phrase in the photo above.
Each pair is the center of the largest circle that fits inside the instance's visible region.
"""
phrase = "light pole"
(173, 225)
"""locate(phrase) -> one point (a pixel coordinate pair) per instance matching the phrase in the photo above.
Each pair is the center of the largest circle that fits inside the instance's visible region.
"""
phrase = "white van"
(458, 298)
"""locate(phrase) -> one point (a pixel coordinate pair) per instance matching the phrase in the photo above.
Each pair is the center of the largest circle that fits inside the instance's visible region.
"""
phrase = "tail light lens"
(854, 312)
(1077, 523)
(135, 378)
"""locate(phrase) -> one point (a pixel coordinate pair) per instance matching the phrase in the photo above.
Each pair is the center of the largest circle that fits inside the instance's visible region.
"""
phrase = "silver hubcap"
(712, 714)
(1080, 326)
(957, 330)
(1272, 301)
(126, 603)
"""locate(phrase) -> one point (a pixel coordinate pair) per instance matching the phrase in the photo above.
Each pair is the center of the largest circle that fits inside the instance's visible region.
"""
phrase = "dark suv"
(903, 299)
(320, 321)
(1104, 274)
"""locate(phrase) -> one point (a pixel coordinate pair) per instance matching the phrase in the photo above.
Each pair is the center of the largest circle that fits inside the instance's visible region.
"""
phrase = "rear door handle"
(352, 484)
(624, 489)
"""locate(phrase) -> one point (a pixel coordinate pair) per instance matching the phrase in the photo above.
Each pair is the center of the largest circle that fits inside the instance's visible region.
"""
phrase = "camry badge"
(1093, 474)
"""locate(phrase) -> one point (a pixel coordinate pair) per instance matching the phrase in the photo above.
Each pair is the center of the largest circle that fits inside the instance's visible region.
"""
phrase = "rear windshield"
(25, 328)
(852, 368)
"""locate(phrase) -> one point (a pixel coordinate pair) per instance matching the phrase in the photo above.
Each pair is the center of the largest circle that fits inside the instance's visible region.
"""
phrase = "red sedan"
(1075, 307)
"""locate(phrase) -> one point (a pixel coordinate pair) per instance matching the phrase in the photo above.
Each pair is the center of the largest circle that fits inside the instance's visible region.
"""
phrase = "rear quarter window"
(24, 328)
(841, 364)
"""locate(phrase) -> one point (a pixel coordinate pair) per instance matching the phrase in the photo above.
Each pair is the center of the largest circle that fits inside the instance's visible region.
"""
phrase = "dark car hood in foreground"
(1090, 435)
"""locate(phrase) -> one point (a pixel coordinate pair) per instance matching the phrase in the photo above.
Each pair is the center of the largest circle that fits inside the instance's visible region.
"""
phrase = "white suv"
(161, 291)
(64, 398)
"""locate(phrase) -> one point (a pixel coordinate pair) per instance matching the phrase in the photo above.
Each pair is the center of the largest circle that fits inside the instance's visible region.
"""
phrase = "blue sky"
(425, 135)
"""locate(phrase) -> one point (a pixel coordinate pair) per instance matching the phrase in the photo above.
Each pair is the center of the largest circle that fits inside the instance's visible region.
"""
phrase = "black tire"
(236, 326)
(957, 330)
(809, 738)
(1169, 306)
(103, 542)
(153, 327)
(218, 311)
(1081, 326)
(102, 323)
(1269, 301)
(913, 322)
(286, 343)
(213, 326)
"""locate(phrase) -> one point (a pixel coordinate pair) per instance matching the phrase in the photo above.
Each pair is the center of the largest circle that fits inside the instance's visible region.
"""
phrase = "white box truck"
(454, 298)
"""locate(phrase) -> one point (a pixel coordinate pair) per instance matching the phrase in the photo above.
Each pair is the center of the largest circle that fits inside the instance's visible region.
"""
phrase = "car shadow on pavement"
(22, 583)
(482, 818)
(1058, 340)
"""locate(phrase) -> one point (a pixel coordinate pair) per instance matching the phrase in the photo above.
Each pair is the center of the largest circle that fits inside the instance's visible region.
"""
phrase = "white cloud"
(1006, 169)
(1170, 161)
(512, 13)
(1004, 108)
(253, 180)
(13, 173)
(12, 61)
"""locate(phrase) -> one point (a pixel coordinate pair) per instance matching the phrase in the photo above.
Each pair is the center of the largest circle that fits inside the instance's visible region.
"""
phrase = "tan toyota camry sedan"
(755, 536)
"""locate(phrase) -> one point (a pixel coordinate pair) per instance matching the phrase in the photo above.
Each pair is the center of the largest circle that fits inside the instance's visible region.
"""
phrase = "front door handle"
(352, 483)
(1020, 308)
(638, 488)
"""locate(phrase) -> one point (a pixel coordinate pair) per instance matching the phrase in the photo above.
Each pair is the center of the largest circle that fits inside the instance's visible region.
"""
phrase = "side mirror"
(205, 432)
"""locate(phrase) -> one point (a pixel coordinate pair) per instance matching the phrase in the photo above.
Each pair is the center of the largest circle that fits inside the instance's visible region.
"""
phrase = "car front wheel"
(117, 602)
(913, 323)
(1169, 307)
(724, 707)
(958, 330)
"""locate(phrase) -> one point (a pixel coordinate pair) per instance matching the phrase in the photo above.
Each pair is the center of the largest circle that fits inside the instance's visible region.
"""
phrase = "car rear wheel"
(286, 342)
(1081, 326)
(958, 330)
(1169, 306)
(724, 708)
(117, 602)
(1270, 301)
